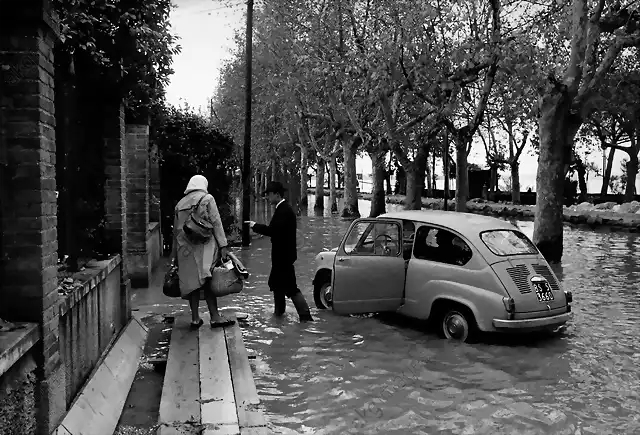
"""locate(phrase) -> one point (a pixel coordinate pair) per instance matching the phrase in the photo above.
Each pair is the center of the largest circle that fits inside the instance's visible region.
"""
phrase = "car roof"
(460, 222)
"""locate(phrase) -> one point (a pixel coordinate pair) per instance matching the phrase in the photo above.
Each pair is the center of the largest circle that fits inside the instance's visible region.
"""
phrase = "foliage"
(126, 41)
(323, 69)
(188, 144)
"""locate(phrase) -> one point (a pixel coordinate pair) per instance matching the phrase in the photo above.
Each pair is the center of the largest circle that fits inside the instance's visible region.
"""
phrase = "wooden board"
(217, 403)
(180, 402)
(99, 405)
(257, 430)
(244, 387)
(179, 430)
(226, 429)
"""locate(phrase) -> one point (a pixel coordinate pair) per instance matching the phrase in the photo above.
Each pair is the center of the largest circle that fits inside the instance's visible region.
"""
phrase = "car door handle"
(342, 259)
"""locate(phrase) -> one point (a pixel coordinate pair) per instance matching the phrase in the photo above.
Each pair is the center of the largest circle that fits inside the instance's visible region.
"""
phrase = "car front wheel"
(457, 324)
(323, 295)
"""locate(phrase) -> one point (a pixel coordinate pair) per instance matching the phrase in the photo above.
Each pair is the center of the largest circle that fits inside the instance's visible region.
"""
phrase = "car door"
(369, 269)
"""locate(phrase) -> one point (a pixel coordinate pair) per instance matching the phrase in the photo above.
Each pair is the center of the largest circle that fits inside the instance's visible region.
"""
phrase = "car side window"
(442, 246)
(373, 238)
(408, 235)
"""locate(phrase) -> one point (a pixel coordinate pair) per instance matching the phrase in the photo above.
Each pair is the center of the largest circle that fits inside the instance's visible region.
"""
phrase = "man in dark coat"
(282, 231)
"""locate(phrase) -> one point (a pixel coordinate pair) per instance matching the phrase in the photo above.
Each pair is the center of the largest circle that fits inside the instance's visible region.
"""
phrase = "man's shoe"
(306, 317)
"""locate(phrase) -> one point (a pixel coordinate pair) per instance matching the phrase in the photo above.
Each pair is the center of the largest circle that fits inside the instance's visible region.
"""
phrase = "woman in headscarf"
(194, 260)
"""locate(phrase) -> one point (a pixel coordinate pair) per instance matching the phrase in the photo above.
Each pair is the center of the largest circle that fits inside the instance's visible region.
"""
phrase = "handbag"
(227, 277)
(194, 229)
(171, 287)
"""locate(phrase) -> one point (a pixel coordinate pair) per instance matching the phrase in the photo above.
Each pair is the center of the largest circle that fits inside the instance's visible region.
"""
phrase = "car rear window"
(508, 242)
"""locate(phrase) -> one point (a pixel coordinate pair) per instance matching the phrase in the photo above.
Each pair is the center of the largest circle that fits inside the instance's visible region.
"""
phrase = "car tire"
(322, 295)
(457, 323)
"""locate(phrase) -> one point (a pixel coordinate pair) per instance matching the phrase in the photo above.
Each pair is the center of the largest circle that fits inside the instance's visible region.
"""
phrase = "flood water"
(363, 375)
(367, 375)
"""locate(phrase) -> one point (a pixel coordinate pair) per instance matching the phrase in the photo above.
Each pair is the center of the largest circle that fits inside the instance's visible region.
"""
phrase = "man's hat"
(274, 187)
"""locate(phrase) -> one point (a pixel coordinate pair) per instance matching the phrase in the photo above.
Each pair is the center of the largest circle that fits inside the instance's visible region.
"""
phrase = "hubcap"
(327, 295)
(456, 326)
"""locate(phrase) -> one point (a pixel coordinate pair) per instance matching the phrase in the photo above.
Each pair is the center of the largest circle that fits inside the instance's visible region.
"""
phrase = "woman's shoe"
(197, 325)
(222, 323)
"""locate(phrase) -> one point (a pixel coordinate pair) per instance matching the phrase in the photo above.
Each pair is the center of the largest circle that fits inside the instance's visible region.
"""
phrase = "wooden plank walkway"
(208, 385)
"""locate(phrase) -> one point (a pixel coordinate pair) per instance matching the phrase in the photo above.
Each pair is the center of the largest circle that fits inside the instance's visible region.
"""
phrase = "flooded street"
(368, 375)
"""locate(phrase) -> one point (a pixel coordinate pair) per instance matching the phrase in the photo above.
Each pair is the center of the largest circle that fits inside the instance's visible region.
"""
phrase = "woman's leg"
(212, 304)
(194, 303)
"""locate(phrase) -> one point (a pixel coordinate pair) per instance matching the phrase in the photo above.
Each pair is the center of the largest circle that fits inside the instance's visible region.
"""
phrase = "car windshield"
(508, 242)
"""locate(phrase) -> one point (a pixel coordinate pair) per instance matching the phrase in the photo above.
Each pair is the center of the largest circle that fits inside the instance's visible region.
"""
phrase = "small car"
(463, 272)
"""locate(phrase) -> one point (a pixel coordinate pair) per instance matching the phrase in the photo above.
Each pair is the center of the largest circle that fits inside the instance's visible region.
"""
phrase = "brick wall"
(29, 289)
(154, 185)
(137, 195)
(115, 166)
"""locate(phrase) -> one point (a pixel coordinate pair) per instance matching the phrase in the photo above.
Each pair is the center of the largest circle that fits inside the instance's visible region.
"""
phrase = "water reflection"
(370, 375)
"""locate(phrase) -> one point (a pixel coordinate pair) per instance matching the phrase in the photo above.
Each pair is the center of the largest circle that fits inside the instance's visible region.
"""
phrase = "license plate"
(543, 291)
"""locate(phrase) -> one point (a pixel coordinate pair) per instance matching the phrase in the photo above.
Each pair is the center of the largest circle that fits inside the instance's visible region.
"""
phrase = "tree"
(127, 42)
(512, 106)
(597, 39)
(189, 144)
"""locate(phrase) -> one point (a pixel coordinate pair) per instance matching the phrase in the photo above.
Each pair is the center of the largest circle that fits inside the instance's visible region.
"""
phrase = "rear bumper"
(532, 324)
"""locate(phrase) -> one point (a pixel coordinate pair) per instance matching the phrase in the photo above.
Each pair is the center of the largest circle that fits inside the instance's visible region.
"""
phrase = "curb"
(97, 409)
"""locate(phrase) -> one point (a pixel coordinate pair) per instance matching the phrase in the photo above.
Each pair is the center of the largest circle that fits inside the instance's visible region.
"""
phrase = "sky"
(206, 29)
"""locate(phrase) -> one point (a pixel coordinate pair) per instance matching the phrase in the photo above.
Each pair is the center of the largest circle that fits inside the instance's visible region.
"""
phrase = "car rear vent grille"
(544, 270)
(520, 276)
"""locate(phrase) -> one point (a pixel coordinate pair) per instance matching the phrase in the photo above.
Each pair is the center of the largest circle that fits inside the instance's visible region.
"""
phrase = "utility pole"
(246, 171)
(446, 168)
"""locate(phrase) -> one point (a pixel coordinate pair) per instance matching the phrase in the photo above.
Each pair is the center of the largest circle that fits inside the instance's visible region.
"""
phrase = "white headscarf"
(197, 182)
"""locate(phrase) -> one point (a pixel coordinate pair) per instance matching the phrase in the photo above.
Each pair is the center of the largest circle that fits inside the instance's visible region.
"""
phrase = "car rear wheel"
(323, 295)
(457, 323)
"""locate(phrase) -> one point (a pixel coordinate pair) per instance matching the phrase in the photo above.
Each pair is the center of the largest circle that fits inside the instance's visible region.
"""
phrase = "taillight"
(569, 296)
(510, 306)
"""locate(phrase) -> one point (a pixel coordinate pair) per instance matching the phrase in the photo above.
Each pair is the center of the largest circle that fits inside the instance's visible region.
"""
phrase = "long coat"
(282, 231)
(195, 261)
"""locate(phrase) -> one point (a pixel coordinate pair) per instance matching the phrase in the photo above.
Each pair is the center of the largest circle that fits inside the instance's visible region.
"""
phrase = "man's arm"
(263, 229)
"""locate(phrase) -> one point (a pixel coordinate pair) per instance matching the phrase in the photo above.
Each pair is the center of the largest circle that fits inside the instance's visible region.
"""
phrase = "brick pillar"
(154, 185)
(28, 32)
(115, 166)
(137, 155)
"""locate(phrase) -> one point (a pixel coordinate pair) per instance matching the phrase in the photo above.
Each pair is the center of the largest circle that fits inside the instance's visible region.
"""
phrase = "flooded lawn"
(370, 375)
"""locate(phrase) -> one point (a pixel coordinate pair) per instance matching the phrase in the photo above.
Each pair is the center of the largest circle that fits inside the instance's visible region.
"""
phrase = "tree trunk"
(415, 180)
(256, 183)
(350, 206)
(556, 136)
(333, 203)
(387, 175)
(493, 183)
(428, 178)
(328, 186)
(294, 186)
(515, 182)
(632, 175)
(401, 181)
(378, 165)
(319, 205)
(462, 174)
(274, 170)
(582, 180)
(606, 177)
(433, 174)
(304, 177)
